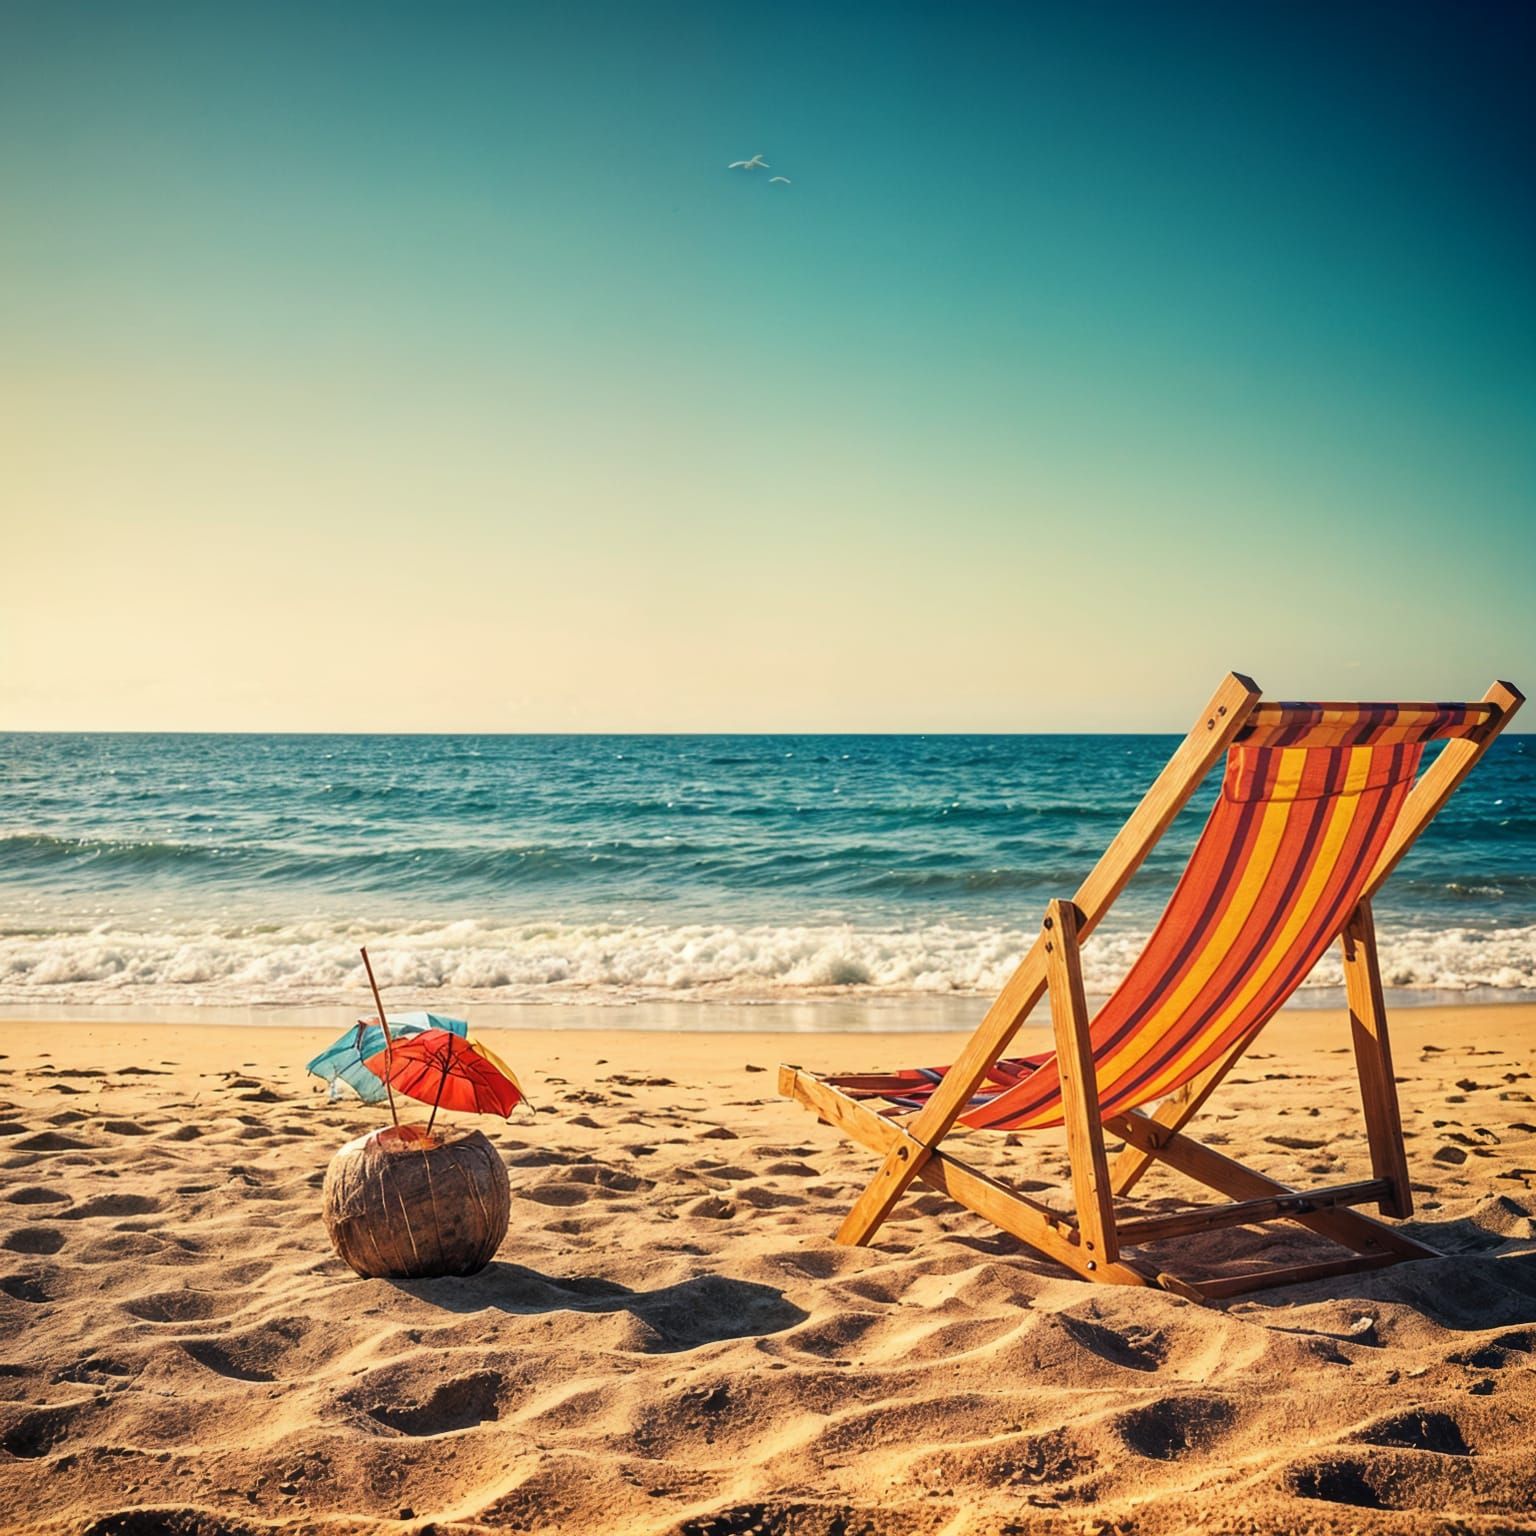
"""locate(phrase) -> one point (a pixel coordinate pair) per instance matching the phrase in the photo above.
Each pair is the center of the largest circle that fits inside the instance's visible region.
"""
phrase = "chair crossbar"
(1241, 1213)
(1328, 723)
(1223, 1286)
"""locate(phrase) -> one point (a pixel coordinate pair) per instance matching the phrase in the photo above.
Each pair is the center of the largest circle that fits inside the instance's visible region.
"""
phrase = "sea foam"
(315, 961)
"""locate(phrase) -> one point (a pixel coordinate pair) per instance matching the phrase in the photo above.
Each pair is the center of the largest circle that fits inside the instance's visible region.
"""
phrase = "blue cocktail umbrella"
(342, 1062)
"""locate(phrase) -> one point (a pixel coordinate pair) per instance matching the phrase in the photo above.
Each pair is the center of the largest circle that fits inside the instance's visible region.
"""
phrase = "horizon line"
(538, 731)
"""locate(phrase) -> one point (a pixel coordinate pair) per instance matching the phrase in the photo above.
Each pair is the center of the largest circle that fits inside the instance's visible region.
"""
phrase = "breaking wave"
(315, 961)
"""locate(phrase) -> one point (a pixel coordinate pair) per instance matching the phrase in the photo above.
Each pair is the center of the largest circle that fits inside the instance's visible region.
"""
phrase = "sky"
(386, 366)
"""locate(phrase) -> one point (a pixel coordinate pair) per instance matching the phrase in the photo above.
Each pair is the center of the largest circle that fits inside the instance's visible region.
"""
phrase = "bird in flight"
(748, 165)
(784, 179)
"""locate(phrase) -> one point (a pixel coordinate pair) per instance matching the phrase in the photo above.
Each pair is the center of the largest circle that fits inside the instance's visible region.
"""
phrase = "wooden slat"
(1291, 1274)
(1079, 1083)
(1271, 713)
(1209, 1167)
(1373, 1058)
(1154, 1229)
(1219, 722)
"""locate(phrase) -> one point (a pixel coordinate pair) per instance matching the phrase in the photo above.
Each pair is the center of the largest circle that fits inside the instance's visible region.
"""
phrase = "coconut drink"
(408, 1201)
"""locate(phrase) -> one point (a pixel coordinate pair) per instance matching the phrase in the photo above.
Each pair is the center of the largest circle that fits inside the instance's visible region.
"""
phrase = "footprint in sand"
(1015, 1461)
(765, 1199)
(835, 1338)
(36, 1433)
(51, 1141)
(95, 1370)
(269, 1352)
(113, 1205)
(1486, 1357)
(828, 1263)
(604, 1176)
(713, 1207)
(217, 1358)
(459, 1404)
(708, 1309)
(1523, 1341)
(37, 1194)
(1172, 1427)
(556, 1194)
(182, 1306)
(1418, 1429)
(127, 1243)
(1144, 1352)
(33, 1288)
(34, 1240)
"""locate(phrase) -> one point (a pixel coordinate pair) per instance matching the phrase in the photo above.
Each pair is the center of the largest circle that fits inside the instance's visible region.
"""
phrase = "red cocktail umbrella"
(448, 1072)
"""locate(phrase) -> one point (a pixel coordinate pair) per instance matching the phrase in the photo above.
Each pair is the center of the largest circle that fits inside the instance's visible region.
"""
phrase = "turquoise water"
(246, 869)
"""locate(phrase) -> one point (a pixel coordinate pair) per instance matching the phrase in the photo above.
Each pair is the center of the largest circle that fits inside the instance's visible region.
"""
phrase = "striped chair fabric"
(1307, 803)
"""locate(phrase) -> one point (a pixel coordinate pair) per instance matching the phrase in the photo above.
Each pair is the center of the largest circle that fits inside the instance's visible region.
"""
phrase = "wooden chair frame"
(1092, 1245)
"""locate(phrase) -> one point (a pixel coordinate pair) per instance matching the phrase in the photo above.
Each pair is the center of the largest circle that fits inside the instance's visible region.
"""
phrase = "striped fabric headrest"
(1361, 725)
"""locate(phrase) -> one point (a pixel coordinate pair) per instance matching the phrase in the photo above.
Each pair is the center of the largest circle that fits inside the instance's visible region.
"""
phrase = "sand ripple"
(670, 1343)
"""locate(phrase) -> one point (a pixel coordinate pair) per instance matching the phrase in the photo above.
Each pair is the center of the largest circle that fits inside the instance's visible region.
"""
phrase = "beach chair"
(1317, 804)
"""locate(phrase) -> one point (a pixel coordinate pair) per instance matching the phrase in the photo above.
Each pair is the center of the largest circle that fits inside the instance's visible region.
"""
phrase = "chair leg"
(1079, 1086)
(1373, 1059)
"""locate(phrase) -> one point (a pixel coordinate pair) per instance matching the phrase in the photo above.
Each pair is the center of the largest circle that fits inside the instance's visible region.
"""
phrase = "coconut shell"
(403, 1205)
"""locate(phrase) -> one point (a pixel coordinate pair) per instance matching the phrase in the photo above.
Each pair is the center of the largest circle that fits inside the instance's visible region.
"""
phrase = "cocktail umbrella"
(498, 1063)
(344, 1060)
(447, 1071)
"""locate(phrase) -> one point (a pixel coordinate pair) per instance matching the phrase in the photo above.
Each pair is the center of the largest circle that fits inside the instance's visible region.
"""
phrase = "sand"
(670, 1341)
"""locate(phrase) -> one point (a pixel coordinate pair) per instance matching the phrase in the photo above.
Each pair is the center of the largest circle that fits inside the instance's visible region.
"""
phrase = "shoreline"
(907, 1014)
(861, 1043)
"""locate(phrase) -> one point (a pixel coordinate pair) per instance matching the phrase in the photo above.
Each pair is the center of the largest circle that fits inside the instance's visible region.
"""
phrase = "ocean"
(246, 870)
